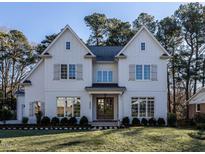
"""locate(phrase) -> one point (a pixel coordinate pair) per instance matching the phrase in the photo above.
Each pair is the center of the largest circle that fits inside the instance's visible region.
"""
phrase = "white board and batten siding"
(156, 87)
(47, 85)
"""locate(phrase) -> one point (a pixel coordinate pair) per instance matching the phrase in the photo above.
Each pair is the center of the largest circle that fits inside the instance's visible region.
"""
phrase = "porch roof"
(105, 88)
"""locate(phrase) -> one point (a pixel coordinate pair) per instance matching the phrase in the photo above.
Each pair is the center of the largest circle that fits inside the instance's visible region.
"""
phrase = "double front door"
(105, 108)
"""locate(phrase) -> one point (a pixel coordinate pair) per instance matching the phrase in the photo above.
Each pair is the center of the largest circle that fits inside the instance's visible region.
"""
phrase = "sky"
(36, 20)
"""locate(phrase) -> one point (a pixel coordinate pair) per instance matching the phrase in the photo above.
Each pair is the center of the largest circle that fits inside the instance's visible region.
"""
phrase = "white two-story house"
(103, 83)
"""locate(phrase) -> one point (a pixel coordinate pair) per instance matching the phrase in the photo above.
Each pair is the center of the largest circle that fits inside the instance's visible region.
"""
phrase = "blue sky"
(36, 20)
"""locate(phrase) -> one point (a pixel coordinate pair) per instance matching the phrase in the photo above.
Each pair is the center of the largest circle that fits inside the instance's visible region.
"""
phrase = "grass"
(130, 139)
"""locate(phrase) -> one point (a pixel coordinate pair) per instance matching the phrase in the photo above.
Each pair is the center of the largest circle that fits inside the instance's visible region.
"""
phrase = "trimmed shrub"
(64, 121)
(5, 114)
(161, 122)
(144, 122)
(199, 118)
(38, 117)
(55, 121)
(84, 121)
(135, 122)
(72, 121)
(126, 121)
(25, 120)
(171, 119)
(152, 122)
(45, 121)
(200, 126)
(191, 122)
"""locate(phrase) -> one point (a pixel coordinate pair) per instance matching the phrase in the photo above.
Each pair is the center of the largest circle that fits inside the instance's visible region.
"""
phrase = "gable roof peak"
(67, 27)
(138, 32)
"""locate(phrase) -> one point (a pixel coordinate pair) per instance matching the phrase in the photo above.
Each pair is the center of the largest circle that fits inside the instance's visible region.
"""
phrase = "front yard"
(131, 139)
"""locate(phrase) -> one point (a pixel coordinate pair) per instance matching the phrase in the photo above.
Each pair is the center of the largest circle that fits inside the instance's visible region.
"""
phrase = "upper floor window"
(143, 46)
(63, 71)
(143, 72)
(67, 45)
(146, 72)
(198, 108)
(72, 71)
(138, 72)
(104, 76)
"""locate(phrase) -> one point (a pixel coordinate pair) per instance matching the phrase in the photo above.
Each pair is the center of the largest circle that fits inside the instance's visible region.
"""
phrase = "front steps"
(105, 123)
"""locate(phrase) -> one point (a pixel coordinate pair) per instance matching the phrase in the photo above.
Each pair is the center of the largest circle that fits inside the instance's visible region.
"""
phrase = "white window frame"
(61, 72)
(136, 72)
(149, 72)
(143, 79)
(197, 108)
(102, 76)
(65, 106)
(141, 46)
(75, 71)
(66, 45)
(146, 108)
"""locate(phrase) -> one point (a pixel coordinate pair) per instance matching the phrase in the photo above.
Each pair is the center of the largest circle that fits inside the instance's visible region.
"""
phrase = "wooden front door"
(105, 108)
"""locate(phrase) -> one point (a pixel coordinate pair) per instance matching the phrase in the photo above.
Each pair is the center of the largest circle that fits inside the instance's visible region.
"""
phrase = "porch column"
(91, 107)
(120, 112)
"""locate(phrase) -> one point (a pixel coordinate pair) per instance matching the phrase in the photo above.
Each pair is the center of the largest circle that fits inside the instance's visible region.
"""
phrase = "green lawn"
(131, 139)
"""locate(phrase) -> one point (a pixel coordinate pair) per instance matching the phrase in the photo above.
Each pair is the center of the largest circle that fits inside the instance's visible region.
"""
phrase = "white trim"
(143, 28)
(197, 109)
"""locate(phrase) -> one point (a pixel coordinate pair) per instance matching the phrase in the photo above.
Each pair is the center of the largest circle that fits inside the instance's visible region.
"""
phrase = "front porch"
(106, 104)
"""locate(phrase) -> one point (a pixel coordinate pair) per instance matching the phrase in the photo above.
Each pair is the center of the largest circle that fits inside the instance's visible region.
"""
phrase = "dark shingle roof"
(105, 86)
(20, 92)
(105, 53)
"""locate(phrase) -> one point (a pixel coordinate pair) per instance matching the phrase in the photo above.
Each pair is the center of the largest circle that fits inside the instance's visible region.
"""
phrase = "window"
(143, 46)
(99, 76)
(104, 76)
(76, 107)
(110, 76)
(150, 107)
(67, 45)
(146, 72)
(63, 71)
(68, 107)
(198, 108)
(138, 72)
(72, 71)
(135, 104)
(142, 106)
(143, 72)
(60, 106)
(36, 107)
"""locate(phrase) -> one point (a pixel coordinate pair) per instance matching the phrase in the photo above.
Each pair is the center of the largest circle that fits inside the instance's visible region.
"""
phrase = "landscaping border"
(39, 127)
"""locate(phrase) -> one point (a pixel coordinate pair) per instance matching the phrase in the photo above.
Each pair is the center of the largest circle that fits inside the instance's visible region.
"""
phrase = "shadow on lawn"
(83, 141)
(25, 133)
